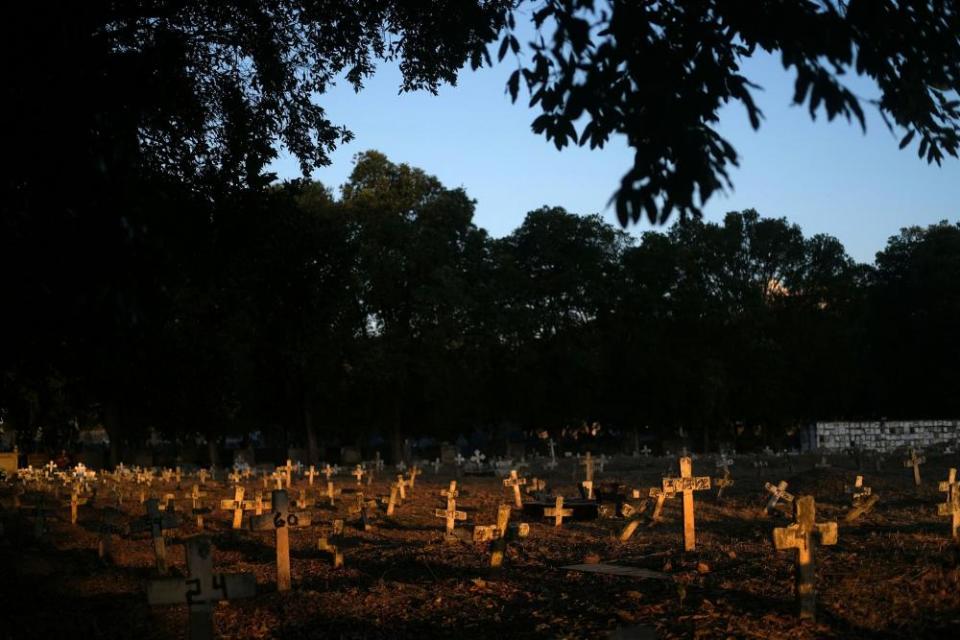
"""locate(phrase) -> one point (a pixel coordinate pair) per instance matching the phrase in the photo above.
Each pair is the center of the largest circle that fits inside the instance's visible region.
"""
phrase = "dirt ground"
(892, 574)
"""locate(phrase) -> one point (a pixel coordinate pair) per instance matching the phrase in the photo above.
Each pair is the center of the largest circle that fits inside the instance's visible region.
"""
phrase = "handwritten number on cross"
(279, 523)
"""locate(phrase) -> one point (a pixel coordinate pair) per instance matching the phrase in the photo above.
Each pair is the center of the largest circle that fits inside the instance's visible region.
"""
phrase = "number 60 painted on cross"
(279, 522)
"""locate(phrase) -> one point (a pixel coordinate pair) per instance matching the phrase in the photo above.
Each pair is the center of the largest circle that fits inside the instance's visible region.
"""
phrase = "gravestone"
(863, 499)
(515, 482)
(557, 512)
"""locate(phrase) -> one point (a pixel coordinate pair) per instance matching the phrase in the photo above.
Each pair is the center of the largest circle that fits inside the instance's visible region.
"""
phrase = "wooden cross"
(196, 507)
(662, 495)
(362, 511)
(799, 536)
(278, 477)
(779, 492)
(237, 505)
(500, 534)
(915, 461)
(557, 512)
(303, 503)
(587, 463)
(311, 473)
(288, 472)
(451, 491)
(156, 521)
(450, 514)
(588, 488)
(687, 484)
(179, 476)
(203, 476)
(234, 477)
(515, 481)
(858, 490)
(724, 482)
(392, 502)
(402, 486)
(358, 473)
(75, 501)
(259, 503)
(330, 545)
(331, 492)
(952, 505)
(863, 500)
(328, 471)
(413, 473)
(202, 589)
(281, 520)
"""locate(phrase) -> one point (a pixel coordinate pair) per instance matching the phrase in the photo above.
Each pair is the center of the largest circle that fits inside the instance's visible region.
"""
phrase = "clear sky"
(826, 177)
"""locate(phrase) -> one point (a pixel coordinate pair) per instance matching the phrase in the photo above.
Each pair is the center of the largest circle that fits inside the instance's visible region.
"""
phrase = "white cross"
(477, 458)
(436, 465)
(646, 450)
(459, 459)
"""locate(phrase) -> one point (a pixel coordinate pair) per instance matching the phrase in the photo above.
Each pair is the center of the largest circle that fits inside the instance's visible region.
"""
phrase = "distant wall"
(885, 435)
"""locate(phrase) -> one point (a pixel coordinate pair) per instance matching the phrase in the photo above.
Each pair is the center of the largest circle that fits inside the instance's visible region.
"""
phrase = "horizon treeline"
(317, 319)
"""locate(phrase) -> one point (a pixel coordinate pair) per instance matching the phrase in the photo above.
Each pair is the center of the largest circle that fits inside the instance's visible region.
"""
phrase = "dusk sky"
(828, 177)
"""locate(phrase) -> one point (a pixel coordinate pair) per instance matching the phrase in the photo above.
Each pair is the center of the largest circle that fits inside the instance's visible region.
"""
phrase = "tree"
(658, 73)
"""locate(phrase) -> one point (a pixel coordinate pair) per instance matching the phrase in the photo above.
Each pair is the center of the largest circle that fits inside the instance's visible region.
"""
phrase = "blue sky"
(826, 177)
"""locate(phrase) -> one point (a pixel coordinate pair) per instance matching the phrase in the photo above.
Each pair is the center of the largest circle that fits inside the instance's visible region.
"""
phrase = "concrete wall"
(886, 436)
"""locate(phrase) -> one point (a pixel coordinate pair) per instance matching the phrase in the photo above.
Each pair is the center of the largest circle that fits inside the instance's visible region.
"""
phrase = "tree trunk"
(313, 444)
(111, 424)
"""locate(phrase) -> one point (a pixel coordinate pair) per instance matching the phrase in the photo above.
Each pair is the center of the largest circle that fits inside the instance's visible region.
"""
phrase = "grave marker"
(156, 521)
(778, 492)
(557, 512)
(687, 484)
(723, 483)
(451, 515)
(281, 520)
(951, 507)
(202, 589)
(515, 482)
(915, 461)
(237, 505)
(799, 536)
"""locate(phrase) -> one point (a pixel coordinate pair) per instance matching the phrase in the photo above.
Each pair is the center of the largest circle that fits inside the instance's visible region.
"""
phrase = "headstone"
(799, 536)
(202, 589)
(450, 515)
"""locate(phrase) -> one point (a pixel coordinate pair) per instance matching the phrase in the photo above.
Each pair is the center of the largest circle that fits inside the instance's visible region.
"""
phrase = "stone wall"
(886, 435)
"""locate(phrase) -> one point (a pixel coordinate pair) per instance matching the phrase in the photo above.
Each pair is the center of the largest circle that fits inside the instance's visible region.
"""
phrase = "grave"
(280, 520)
(951, 507)
(778, 492)
(156, 521)
(915, 461)
(514, 482)
(202, 589)
(799, 536)
(687, 484)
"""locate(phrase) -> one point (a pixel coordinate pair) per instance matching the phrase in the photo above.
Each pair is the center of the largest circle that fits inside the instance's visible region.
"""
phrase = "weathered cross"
(358, 473)
(328, 471)
(662, 496)
(863, 500)
(402, 486)
(557, 512)
(156, 521)
(724, 482)
(288, 472)
(311, 474)
(281, 520)
(645, 451)
(477, 458)
(952, 505)
(687, 483)
(587, 488)
(196, 506)
(237, 505)
(915, 461)
(799, 536)
(234, 477)
(779, 492)
(75, 501)
(303, 502)
(202, 589)
(515, 481)
(414, 472)
(450, 513)
(587, 463)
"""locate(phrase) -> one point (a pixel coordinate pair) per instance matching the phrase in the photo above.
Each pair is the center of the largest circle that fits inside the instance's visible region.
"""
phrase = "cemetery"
(826, 552)
(606, 319)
